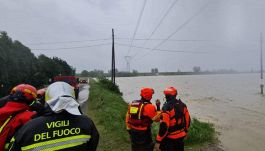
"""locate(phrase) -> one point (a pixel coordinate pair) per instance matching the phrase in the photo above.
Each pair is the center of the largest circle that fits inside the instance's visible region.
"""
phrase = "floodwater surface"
(231, 102)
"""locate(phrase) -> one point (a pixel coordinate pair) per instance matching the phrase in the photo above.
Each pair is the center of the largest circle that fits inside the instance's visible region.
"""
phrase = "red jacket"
(12, 116)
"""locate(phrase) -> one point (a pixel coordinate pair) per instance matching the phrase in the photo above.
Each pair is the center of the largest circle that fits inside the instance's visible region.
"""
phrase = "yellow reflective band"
(47, 97)
(33, 102)
(11, 142)
(133, 110)
(139, 114)
(30, 92)
(5, 123)
(29, 147)
(12, 139)
(6, 146)
(63, 146)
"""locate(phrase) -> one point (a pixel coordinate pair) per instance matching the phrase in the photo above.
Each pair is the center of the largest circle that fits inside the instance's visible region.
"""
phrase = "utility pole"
(261, 64)
(113, 60)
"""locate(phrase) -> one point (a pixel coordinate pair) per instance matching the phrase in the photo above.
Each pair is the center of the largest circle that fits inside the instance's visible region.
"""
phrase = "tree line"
(19, 65)
(100, 73)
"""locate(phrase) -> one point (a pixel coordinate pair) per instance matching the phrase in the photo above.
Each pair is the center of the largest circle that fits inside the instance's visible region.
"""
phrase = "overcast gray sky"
(222, 34)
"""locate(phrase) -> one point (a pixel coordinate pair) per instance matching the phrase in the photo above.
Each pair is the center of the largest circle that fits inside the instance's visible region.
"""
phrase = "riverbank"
(108, 109)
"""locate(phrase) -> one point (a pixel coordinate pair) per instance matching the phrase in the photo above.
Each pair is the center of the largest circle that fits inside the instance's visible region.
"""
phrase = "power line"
(162, 50)
(137, 25)
(182, 51)
(161, 20)
(178, 29)
(62, 48)
(137, 39)
(160, 39)
(73, 41)
(186, 40)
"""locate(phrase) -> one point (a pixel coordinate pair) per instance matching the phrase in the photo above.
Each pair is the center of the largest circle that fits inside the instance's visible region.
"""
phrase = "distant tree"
(135, 72)
(154, 70)
(19, 65)
(96, 73)
(196, 69)
(63, 67)
(85, 73)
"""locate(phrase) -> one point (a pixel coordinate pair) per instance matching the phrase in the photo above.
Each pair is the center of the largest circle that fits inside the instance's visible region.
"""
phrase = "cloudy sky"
(167, 34)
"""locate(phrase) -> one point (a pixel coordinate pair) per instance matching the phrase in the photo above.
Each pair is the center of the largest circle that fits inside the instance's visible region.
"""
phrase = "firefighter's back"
(61, 131)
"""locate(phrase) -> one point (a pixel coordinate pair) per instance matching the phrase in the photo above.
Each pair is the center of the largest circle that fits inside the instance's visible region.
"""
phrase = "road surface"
(83, 97)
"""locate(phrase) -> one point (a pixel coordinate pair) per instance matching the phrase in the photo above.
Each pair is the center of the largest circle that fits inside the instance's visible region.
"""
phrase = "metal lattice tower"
(128, 61)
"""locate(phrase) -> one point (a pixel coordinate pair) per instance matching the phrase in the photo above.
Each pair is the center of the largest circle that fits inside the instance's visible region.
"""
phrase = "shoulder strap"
(179, 112)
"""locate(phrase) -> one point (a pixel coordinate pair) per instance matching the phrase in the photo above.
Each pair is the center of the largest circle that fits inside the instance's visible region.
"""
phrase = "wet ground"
(83, 96)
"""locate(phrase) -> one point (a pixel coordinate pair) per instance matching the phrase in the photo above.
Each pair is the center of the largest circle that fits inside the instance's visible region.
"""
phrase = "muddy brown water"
(231, 102)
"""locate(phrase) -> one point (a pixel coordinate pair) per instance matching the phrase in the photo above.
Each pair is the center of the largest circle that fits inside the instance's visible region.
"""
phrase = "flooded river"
(231, 102)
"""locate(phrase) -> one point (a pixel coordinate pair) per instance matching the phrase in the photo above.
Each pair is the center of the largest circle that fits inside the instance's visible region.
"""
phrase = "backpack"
(136, 116)
(178, 107)
(12, 116)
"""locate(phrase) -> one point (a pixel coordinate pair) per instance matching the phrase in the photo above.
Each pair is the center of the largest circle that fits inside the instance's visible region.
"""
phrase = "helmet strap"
(32, 103)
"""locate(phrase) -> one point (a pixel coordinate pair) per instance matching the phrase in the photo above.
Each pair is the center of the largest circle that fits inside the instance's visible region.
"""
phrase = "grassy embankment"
(107, 109)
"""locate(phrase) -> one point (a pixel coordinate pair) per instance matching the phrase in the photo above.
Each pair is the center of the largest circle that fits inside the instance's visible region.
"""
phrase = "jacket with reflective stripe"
(61, 131)
(143, 117)
(13, 116)
(171, 125)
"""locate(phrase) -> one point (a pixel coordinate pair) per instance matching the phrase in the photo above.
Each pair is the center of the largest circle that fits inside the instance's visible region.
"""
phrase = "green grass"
(199, 132)
(107, 109)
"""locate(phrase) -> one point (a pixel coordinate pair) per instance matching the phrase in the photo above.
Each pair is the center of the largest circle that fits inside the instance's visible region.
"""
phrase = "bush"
(200, 132)
(106, 83)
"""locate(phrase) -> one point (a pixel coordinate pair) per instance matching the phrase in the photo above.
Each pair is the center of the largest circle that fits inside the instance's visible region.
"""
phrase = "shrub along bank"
(107, 109)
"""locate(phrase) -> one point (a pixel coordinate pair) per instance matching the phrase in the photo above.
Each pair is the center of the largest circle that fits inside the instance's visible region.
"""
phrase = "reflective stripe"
(58, 143)
(176, 132)
(33, 102)
(63, 146)
(139, 114)
(6, 146)
(30, 92)
(12, 139)
(11, 142)
(5, 123)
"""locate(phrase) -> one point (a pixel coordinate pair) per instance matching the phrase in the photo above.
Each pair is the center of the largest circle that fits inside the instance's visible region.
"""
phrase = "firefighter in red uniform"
(139, 117)
(16, 112)
(61, 127)
(174, 123)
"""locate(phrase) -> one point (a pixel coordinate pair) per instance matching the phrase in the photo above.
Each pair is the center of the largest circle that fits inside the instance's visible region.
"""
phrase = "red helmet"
(147, 93)
(171, 91)
(25, 92)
